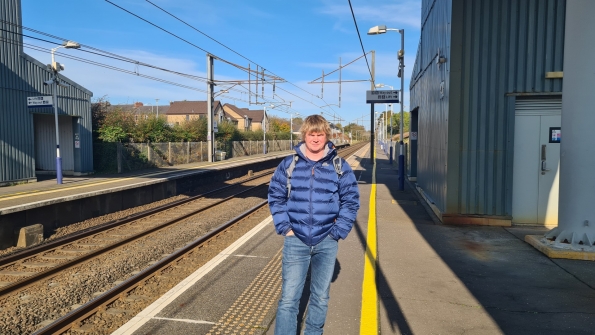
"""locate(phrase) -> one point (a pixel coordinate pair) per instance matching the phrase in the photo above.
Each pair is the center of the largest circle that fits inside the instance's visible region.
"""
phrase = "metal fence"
(136, 156)
(124, 157)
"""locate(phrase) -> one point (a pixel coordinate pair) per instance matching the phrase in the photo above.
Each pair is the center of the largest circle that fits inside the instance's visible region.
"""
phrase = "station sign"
(41, 101)
(382, 96)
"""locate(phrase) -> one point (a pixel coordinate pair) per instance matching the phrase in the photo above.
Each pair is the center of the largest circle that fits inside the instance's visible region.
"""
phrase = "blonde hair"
(315, 123)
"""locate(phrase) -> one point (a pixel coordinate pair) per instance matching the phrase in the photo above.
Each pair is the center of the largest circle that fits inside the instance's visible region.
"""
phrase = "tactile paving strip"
(247, 314)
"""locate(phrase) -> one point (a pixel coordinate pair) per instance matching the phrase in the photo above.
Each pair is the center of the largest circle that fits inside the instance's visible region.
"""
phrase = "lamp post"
(57, 67)
(401, 56)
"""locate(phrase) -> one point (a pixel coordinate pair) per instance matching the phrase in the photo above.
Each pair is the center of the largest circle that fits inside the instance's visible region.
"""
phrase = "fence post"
(149, 151)
(187, 152)
(201, 151)
(169, 153)
(119, 156)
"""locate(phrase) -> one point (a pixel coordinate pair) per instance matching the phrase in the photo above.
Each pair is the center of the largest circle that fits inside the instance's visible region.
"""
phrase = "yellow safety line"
(369, 312)
(30, 193)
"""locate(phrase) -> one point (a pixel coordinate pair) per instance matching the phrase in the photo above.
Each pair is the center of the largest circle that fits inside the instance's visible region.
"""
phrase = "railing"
(123, 157)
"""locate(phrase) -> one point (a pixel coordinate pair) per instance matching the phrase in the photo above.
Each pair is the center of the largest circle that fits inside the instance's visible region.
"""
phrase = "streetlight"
(57, 67)
(401, 56)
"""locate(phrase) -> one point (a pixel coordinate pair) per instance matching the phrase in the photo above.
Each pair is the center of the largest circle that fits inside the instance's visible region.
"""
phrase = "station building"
(486, 101)
(27, 135)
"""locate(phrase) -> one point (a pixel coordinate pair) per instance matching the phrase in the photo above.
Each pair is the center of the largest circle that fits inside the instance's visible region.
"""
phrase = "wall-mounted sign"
(555, 134)
(382, 96)
(41, 101)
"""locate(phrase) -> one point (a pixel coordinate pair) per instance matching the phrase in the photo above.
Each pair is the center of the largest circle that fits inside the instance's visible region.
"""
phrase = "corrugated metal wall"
(496, 49)
(433, 106)
(22, 76)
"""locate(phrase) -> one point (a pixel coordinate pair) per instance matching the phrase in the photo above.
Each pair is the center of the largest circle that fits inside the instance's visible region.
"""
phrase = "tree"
(297, 123)
(152, 129)
(114, 126)
(227, 131)
(278, 125)
(396, 121)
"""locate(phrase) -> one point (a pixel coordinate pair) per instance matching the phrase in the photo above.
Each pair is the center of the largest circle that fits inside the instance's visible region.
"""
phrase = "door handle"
(544, 168)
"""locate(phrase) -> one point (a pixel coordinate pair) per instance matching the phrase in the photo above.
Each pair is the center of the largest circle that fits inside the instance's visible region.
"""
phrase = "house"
(181, 111)
(245, 119)
(140, 110)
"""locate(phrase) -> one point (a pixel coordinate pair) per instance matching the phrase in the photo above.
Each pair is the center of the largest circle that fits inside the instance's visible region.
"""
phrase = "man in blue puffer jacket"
(320, 210)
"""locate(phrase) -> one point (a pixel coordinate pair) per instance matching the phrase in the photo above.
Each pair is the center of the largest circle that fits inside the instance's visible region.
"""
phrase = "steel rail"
(22, 284)
(22, 255)
(65, 322)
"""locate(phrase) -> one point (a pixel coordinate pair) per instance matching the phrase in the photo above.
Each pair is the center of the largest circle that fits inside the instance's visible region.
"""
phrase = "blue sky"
(295, 40)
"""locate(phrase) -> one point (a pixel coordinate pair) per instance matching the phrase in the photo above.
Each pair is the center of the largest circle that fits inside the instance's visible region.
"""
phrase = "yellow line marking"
(369, 312)
(30, 193)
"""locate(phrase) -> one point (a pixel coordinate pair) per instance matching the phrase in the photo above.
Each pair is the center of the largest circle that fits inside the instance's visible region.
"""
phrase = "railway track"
(19, 271)
(50, 260)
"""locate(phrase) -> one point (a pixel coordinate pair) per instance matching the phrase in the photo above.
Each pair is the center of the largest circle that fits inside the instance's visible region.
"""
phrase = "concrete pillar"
(576, 214)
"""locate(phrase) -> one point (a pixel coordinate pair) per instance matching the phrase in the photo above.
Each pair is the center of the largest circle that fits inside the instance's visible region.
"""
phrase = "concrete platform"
(82, 198)
(431, 278)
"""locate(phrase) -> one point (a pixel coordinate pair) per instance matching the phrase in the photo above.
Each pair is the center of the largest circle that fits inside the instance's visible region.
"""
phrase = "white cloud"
(403, 14)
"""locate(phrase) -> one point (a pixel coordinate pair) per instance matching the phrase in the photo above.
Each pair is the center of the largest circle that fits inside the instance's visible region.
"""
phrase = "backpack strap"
(289, 171)
(337, 162)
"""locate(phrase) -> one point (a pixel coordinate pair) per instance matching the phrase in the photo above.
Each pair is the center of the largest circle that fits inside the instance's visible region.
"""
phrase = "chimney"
(138, 104)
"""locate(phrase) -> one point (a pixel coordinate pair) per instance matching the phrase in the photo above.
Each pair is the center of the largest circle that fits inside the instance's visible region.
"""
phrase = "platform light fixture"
(56, 67)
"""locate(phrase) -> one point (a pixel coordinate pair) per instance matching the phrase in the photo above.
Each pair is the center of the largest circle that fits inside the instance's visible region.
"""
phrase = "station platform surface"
(46, 190)
(430, 278)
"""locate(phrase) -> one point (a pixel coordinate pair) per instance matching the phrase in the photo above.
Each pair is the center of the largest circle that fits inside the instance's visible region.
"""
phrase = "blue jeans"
(297, 256)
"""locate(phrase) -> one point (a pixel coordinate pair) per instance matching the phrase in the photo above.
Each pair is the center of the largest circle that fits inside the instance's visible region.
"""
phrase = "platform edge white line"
(152, 310)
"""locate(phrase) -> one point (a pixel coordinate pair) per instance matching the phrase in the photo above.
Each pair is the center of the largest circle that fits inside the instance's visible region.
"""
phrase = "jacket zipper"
(311, 209)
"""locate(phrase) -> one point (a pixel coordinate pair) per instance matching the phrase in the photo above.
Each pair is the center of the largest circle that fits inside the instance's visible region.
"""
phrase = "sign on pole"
(42, 101)
(382, 96)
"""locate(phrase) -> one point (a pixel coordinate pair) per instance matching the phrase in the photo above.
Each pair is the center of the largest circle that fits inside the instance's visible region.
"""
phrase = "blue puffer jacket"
(321, 202)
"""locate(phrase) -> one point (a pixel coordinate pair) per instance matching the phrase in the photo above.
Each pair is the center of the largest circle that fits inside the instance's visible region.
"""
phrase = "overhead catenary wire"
(361, 43)
(107, 54)
(165, 30)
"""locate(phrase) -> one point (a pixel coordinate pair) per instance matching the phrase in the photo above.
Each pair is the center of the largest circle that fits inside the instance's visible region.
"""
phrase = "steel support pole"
(390, 160)
(576, 213)
(372, 119)
(55, 102)
(264, 131)
(401, 98)
(210, 89)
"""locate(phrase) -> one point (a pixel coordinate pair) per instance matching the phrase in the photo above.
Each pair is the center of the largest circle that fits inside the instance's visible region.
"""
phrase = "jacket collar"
(329, 151)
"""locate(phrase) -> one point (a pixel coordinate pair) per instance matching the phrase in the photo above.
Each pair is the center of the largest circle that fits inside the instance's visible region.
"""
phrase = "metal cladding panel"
(493, 49)
(507, 48)
(429, 92)
(21, 76)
